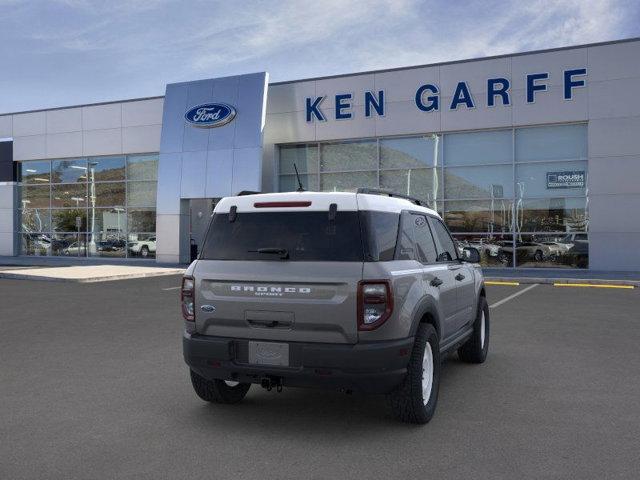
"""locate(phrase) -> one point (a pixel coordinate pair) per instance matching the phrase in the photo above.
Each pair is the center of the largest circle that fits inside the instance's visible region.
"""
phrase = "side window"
(446, 247)
(426, 249)
(405, 246)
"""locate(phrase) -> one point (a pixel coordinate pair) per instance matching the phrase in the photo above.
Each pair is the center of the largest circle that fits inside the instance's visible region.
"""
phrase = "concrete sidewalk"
(551, 276)
(86, 273)
(33, 261)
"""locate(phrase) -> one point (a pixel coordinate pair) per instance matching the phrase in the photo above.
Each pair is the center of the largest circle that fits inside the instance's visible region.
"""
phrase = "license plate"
(269, 353)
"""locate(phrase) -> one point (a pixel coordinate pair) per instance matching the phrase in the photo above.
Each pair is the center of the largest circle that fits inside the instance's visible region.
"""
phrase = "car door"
(437, 278)
(463, 275)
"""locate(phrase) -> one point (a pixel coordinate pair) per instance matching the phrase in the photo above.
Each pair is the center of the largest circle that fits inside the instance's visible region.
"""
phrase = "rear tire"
(218, 391)
(414, 401)
(476, 348)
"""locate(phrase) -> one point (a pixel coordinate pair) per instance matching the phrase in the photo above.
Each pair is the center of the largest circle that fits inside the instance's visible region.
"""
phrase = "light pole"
(92, 174)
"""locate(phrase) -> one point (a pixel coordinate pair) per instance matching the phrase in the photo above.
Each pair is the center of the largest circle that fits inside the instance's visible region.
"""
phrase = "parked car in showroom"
(74, 249)
(525, 251)
(143, 248)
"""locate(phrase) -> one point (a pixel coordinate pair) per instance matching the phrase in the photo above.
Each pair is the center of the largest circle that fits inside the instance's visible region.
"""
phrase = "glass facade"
(518, 195)
(95, 206)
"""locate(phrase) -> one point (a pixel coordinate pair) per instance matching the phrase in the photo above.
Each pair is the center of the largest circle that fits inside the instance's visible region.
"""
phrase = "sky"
(69, 52)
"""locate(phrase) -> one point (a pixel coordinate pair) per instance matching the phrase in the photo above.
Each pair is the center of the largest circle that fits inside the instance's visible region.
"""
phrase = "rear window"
(305, 236)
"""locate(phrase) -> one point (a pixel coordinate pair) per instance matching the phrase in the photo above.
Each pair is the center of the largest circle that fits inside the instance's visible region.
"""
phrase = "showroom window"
(518, 195)
(95, 206)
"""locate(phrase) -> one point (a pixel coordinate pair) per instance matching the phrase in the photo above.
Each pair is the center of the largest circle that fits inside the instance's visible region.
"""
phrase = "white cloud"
(125, 48)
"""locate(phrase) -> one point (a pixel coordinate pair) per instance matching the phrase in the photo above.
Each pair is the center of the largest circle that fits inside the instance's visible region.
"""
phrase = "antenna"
(300, 187)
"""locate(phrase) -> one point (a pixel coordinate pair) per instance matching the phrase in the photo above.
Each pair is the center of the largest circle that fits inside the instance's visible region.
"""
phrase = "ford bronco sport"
(353, 291)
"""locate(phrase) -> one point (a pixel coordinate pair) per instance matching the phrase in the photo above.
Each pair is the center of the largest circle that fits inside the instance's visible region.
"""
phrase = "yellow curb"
(592, 285)
(513, 284)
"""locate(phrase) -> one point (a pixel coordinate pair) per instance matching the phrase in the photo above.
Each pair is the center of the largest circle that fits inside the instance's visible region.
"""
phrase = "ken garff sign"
(210, 115)
(427, 96)
(567, 179)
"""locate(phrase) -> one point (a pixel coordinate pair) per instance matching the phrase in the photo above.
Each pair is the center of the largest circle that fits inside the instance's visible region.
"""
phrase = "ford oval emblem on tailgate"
(208, 308)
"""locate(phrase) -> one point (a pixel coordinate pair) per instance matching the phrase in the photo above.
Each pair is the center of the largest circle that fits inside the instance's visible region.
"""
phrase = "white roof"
(318, 201)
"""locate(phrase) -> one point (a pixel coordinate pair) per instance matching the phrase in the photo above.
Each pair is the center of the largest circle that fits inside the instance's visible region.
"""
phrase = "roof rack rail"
(389, 193)
(247, 192)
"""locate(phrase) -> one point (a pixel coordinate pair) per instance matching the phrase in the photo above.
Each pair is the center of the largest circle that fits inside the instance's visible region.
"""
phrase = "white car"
(143, 247)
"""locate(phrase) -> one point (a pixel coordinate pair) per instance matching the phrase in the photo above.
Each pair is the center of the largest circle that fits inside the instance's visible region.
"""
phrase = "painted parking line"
(511, 297)
(592, 285)
(495, 282)
(171, 288)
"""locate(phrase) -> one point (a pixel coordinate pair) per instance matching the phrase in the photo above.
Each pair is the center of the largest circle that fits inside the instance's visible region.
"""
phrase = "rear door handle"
(436, 282)
(459, 277)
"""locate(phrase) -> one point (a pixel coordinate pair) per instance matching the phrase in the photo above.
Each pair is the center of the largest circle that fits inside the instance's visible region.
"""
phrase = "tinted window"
(446, 248)
(424, 241)
(380, 231)
(306, 236)
(406, 241)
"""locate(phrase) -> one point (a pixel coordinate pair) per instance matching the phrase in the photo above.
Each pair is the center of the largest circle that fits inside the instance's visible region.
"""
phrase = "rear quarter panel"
(408, 292)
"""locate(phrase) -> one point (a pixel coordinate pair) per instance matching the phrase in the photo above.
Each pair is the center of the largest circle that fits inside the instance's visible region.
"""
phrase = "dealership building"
(534, 158)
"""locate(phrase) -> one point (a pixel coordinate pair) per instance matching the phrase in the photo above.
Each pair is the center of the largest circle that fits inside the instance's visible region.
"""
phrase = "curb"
(21, 276)
(551, 281)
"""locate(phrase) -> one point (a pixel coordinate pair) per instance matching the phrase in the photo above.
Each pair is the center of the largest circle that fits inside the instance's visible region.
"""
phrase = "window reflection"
(479, 216)
(141, 194)
(69, 195)
(109, 194)
(349, 156)
(142, 220)
(420, 183)
(551, 215)
(142, 245)
(305, 158)
(142, 167)
(478, 148)
(348, 182)
(66, 220)
(83, 210)
(570, 250)
(289, 183)
(478, 182)
(107, 168)
(35, 220)
(410, 153)
(69, 171)
(69, 245)
(558, 142)
(495, 250)
(34, 196)
(37, 244)
(37, 172)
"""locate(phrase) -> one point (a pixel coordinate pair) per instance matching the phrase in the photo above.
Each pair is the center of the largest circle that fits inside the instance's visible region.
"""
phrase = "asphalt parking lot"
(92, 385)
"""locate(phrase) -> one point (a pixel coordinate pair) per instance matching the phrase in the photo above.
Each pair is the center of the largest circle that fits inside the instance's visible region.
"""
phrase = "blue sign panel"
(210, 115)
(569, 179)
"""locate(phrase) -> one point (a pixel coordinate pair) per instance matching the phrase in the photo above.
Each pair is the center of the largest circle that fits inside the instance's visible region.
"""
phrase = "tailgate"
(278, 300)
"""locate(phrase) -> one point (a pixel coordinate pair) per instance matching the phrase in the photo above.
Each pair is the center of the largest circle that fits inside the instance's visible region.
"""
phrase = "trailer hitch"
(268, 383)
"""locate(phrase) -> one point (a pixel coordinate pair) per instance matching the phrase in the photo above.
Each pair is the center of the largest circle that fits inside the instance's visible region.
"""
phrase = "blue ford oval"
(210, 115)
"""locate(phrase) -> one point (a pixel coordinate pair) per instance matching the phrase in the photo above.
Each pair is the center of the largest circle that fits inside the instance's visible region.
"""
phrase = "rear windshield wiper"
(284, 254)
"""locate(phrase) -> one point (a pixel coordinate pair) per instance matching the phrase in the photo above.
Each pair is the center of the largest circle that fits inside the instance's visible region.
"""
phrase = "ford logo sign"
(210, 115)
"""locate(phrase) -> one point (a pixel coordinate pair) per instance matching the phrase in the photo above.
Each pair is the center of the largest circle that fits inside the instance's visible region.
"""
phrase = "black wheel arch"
(426, 312)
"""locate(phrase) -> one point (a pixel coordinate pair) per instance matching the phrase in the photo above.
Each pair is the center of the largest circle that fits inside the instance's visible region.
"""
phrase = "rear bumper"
(375, 367)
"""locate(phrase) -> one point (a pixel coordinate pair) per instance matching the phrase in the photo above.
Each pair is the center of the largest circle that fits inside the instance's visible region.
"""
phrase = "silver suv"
(357, 291)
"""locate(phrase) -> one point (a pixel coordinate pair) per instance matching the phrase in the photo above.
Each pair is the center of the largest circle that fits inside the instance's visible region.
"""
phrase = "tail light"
(375, 303)
(187, 298)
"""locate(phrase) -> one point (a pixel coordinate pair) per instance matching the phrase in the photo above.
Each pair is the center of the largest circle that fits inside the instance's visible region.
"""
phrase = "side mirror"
(471, 255)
